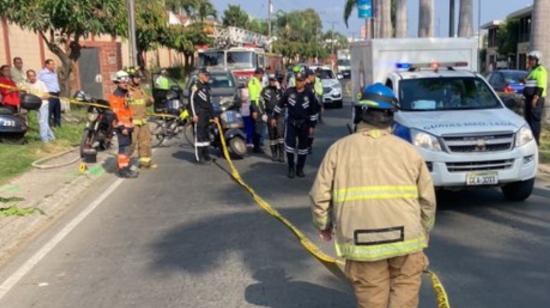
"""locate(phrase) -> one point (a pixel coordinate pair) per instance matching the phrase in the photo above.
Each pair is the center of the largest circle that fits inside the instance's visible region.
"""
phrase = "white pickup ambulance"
(450, 113)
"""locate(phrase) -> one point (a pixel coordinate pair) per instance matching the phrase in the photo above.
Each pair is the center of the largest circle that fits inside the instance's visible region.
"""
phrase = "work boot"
(281, 153)
(291, 172)
(148, 166)
(274, 153)
(300, 167)
(206, 154)
(128, 173)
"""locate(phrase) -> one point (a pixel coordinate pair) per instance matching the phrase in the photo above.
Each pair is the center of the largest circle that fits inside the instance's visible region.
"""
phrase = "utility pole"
(269, 4)
(132, 48)
(451, 18)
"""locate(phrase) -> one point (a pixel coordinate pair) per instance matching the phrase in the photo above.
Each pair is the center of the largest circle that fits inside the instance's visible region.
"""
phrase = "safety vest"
(318, 87)
(254, 90)
(540, 75)
(120, 108)
(377, 194)
(162, 83)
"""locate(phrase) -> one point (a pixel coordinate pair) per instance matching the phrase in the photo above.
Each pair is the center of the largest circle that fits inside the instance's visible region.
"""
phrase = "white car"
(332, 88)
(464, 132)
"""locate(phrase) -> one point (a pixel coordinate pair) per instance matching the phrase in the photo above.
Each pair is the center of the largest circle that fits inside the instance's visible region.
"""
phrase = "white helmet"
(535, 54)
(121, 76)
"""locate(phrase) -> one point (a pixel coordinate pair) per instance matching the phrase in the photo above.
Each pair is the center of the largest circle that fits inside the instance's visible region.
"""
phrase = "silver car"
(332, 88)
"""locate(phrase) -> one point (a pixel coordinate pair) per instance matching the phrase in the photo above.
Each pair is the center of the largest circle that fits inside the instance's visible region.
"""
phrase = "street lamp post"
(132, 48)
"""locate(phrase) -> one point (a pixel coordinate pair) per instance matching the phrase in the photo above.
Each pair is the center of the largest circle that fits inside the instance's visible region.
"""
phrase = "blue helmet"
(377, 96)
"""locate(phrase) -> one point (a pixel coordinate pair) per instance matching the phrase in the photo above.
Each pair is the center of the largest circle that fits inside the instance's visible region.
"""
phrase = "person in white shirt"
(38, 88)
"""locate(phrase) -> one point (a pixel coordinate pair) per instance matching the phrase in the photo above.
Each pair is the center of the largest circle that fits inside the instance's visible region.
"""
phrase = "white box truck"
(450, 113)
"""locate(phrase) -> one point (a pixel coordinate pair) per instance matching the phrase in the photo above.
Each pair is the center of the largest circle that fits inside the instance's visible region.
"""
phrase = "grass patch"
(16, 159)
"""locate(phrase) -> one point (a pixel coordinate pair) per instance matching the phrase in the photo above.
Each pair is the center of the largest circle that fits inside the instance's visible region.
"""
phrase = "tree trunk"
(466, 18)
(540, 40)
(425, 19)
(401, 19)
(386, 29)
(68, 57)
(377, 15)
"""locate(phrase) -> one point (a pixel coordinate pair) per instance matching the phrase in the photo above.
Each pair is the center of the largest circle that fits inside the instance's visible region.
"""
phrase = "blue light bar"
(404, 66)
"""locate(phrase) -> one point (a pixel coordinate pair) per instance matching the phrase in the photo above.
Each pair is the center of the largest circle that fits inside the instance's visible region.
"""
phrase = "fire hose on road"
(332, 264)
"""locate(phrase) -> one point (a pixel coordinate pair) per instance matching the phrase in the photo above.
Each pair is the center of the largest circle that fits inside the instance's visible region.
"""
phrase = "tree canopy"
(235, 16)
(63, 23)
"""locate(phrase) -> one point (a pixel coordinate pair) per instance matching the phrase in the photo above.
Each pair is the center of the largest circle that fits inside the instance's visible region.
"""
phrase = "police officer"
(375, 193)
(123, 124)
(202, 112)
(270, 97)
(314, 85)
(257, 110)
(295, 70)
(535, 93)
(141, 136)
(160, 90)
(300, 123)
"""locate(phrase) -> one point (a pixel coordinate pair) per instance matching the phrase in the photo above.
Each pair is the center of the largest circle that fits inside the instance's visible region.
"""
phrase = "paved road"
(186, 236)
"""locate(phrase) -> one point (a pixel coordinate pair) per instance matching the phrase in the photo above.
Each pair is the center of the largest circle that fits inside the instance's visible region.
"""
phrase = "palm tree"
(401, 18)
(205, 9)
(425, 19)
(466, 18)
(540, 40)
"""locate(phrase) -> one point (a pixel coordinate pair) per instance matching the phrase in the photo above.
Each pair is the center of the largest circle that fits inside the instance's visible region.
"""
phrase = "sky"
(331, 12)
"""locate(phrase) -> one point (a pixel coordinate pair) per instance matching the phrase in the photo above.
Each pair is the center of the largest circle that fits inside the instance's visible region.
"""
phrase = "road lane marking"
(14, 278)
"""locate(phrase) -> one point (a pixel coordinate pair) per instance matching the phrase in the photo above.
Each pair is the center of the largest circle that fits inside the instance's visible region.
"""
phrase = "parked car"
(509, 86)
(223, 86)
(332, 88)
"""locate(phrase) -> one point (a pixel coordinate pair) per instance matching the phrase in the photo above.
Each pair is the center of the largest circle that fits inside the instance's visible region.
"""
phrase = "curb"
(18, 231)
(544, 168)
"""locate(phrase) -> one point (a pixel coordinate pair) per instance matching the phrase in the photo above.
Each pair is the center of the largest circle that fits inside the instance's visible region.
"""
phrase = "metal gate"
(90, 73)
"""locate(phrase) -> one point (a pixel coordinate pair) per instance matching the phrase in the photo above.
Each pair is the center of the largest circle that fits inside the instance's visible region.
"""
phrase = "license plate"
(481, 178)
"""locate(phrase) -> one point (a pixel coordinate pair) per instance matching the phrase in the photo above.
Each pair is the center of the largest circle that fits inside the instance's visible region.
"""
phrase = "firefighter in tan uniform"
(138, 102)
(375, 194)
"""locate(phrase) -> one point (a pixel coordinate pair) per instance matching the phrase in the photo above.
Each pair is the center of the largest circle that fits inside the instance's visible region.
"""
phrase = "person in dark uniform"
(202, 112)
(302, 115)
(270, 97)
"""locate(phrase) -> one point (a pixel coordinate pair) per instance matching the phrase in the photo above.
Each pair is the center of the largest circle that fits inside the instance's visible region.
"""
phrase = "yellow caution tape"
(81, 103)
(332, 264)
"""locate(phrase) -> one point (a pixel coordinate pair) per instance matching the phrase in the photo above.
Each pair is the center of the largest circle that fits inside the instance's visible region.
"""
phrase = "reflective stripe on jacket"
(138, 101)
(377, 194)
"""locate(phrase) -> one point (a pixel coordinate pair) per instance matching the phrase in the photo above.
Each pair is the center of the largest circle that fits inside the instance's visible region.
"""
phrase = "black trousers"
(297, 142)
(259, 126)
(55, 109)
(533, 116)
(202, 138)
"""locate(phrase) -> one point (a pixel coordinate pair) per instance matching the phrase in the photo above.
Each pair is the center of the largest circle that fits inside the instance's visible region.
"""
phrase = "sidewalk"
(50, 191)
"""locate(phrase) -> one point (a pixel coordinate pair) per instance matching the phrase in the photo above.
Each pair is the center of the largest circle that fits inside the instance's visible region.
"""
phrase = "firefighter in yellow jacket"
(375, 194)
(139, 101)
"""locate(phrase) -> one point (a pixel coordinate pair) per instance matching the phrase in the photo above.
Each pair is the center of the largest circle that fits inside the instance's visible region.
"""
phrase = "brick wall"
(110, 61)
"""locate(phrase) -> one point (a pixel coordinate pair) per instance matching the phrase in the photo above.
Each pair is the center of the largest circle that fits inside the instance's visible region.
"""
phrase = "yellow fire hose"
(332, 264)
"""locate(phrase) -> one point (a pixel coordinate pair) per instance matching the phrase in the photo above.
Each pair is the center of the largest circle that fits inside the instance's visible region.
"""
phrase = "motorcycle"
(13, 126)
(164, 128)
(98, 133)
(232, 123)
